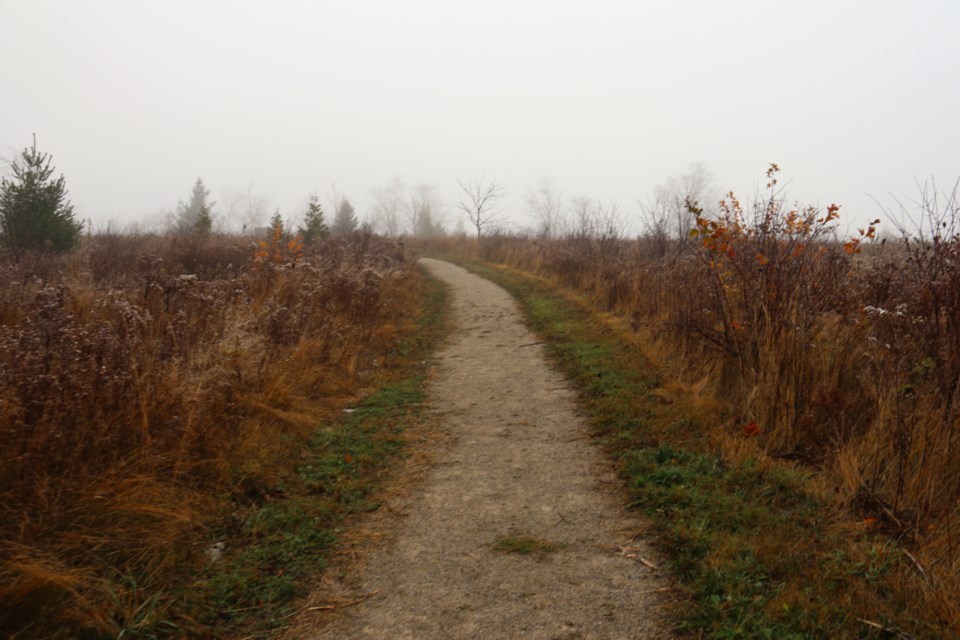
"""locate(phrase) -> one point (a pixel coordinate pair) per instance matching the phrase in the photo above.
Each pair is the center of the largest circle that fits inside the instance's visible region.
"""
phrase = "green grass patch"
(755, 552)
(525, 545)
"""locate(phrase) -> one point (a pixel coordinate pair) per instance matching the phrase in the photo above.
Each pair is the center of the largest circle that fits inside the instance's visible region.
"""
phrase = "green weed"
(526, 545)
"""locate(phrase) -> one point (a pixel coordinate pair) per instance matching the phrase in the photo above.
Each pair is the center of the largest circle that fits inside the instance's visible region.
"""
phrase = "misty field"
(154, 386)
(781, 396)
(223, 322)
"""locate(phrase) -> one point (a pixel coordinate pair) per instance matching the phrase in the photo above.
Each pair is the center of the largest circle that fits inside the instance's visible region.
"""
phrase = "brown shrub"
(143, 374)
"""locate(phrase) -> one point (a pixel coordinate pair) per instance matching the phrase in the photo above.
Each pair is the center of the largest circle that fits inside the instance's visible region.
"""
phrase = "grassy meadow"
(782, 398)
(176, 459)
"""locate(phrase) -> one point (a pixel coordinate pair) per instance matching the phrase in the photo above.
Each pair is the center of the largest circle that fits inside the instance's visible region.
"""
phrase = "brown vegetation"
(840, 353)
(144, 380)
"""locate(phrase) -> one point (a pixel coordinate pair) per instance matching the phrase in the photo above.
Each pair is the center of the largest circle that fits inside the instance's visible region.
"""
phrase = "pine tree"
(204, 224)
(315, 227)
(345, 222)
(188, 213)
(426, 226)
(34, 210)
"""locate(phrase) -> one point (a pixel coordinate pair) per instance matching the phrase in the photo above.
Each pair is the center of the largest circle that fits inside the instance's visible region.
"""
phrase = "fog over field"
(135, 100)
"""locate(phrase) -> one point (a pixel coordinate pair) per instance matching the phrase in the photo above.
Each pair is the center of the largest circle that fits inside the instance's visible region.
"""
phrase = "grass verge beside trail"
(756, 551)
(280, 537)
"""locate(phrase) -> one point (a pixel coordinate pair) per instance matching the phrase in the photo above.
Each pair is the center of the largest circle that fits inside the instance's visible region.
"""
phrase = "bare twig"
(660, 590)
(876, 625)
(338, 605)
(919, 567)
(627, 552)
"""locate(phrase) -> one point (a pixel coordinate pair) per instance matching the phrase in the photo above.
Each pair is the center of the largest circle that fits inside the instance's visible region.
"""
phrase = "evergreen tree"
(426, 226)
(34, 210)
(204, 224)
(314, 226)
(189, 213)
(345, 222)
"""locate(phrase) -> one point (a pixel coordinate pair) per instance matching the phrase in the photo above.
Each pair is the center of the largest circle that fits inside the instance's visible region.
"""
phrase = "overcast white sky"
(135, 100)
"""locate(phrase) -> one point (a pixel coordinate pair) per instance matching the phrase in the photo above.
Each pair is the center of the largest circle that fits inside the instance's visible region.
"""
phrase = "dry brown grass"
(840, 353)
(142, 379)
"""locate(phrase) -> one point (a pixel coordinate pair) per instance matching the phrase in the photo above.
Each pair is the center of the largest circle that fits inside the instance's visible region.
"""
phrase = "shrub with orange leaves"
(278, 249)
(772, 273)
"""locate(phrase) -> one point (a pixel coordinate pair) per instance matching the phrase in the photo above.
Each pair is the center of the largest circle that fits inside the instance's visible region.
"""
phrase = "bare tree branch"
(481, 202)
(387, 207)
(546, 204)
(666, 220)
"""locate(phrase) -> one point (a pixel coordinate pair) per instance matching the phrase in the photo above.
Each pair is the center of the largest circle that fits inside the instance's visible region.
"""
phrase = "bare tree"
(387, 207)
(666, 218)
(607, 222)
(256, 206)
(244, 206)
(580, 224)
(594, 220)
(231, 202)
(481, 202)
(334, 197)
(546, 205)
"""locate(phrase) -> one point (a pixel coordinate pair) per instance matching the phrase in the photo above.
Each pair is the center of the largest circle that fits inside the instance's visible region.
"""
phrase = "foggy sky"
(135, 100)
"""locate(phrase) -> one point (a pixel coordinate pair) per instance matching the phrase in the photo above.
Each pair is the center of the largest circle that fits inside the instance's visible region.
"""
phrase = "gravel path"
(518, 469)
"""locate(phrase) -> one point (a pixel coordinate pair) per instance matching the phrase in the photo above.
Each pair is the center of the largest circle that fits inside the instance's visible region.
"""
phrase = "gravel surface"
(517, 468)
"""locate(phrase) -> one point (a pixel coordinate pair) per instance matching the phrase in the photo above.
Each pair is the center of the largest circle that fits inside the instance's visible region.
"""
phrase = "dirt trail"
(518, 463)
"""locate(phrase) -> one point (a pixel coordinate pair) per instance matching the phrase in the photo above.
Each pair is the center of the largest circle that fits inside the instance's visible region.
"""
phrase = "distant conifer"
(34, 210)
(345, 221)
(189, 213)
(314, 225)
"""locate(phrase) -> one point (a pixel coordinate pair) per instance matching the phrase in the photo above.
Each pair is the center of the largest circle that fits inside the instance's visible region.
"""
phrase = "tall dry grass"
(144, 378)
(840, 352)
